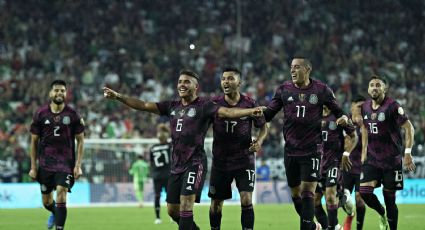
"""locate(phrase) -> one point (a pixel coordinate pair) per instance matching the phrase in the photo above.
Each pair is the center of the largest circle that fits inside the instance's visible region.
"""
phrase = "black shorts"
(391, 179)
(49, 180)
(187, 183)
(158, 184)
(302, 168)
(221, 182)
(330, 178)
(351, 181)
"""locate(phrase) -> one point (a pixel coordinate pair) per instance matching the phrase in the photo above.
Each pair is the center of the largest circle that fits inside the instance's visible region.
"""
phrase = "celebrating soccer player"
(383, 119)
(335, 145)
(54, 128)
(233, 152)
(190, 118)
(301, 101)
(351, 175)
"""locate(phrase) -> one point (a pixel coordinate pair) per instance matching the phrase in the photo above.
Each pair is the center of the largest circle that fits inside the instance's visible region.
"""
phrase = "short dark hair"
(358, 98)
(189, 73)
(306, 61)
(383, 79)
(58, 82)
(232, 69)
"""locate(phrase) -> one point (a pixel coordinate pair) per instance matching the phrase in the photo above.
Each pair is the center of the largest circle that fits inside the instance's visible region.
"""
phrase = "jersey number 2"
(55, 131)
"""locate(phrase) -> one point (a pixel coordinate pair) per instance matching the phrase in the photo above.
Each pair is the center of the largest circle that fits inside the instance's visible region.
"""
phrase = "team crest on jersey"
(191, 112)
(381, 116)
(182, 112)
(332, 125)
(400, 111)
(313, 99)
(66, 120)
(301, 97)
(56, 119)
(373, 116)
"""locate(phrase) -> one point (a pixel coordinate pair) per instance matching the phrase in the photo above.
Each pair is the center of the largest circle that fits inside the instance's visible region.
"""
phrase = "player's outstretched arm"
(130, 101)
(33, 154)
(238, 112)
(350, 142)
(409, 137)
(80, 153)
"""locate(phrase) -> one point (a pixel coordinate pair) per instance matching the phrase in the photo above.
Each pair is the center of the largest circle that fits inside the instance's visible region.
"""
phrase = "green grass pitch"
(267, 217)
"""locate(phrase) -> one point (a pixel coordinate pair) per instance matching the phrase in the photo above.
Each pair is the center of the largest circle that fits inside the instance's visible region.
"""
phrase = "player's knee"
(331, 199)
(216, 206)
(317, 199)
(359, 200)
(246, 198)
(173, 212)
(61, 195)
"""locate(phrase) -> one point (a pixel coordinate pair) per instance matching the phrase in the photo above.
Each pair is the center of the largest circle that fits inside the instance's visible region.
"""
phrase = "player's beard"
(58, 102)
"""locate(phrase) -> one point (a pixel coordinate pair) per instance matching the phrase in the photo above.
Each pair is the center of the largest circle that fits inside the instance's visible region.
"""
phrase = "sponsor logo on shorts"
(189, 188)
(313, 175)
(212, 189)
(43, 188)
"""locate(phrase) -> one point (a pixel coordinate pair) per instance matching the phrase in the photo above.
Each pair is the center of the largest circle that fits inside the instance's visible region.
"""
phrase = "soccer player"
(233, 152)
(383, 119)
(160, 155)
(351, 176)
(190, 118)
(139, 170)
(54, 129)
(301, 101)
(335, 145)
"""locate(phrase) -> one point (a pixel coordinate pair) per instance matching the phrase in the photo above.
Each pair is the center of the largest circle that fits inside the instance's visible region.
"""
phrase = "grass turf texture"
(267, 217)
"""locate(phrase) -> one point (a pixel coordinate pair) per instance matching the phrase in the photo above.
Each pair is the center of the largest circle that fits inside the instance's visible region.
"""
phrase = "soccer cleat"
(158, 221)
(383, 224)
(51, 221)
(348, 205)
(348, 221)
(318, 226)
(339, 227)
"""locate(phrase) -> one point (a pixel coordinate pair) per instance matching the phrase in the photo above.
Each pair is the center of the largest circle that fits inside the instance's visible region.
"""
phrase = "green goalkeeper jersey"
(139, 169)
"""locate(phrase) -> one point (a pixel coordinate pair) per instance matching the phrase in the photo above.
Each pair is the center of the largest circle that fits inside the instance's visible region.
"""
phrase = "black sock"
(307, 214)
(186, 221)
(297, 204)
(215, 220)
(157, 206)
(361, 211)
(332, 215)
(247, 217)
(60, 215)
(321, 216)
(392, 210)
(51, 207)
(371, 200)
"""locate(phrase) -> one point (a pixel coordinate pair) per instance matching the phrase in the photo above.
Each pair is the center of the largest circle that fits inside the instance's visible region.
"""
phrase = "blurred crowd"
(138, 48)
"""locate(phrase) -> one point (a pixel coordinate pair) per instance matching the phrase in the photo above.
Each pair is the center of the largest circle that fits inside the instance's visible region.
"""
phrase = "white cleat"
(318, 226)
(157, 221)
(348, 206)
(339, 227)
